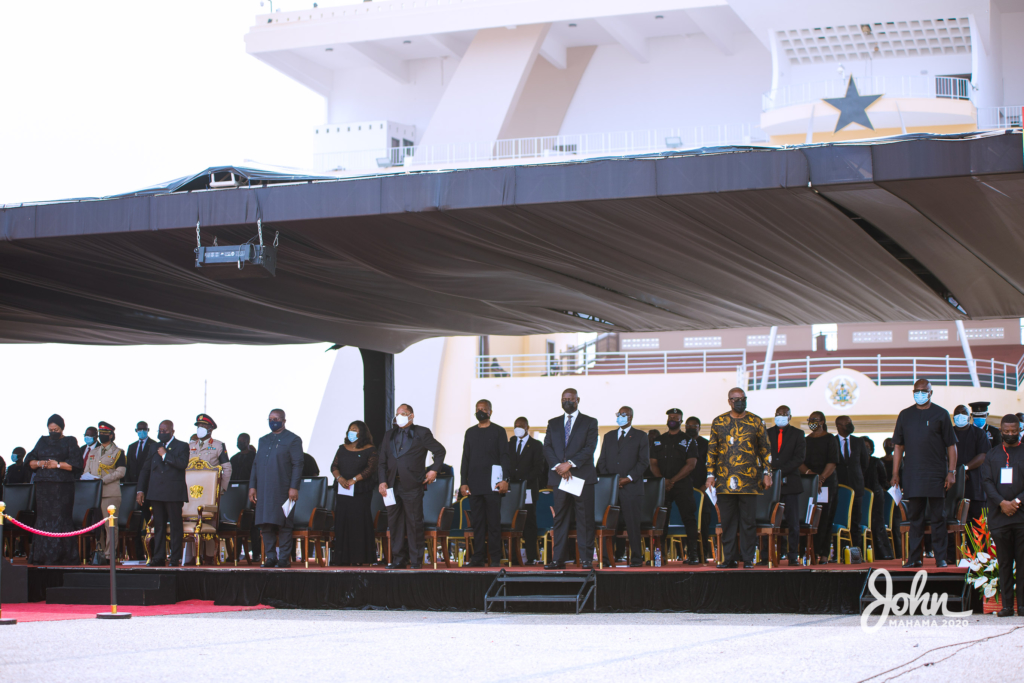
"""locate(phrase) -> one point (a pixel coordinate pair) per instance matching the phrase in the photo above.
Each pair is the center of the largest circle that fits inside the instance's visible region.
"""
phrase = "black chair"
(310, 516)
(768, 517)
(330, 503)
(236, 519)
(653, 515)
(606, 516)
(86, 511)
(513, 520)
(379, 513)
(437, 518)
(127, 516)
(20, 502)
(808, 529)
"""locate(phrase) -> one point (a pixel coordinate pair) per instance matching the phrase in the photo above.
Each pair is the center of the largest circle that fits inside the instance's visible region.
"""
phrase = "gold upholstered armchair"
(201, 513)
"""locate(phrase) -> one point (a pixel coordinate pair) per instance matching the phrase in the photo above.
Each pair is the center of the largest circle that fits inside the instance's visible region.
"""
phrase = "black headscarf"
(56, 419)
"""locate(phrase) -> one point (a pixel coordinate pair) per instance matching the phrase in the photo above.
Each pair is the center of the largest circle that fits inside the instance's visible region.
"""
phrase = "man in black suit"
(700, 475)
(162, 485)
(138, 455)
(402, 467)
(853, 460)
(626, 453)
(788, 452)
(526, 456)
(484, 448)
(569, 446)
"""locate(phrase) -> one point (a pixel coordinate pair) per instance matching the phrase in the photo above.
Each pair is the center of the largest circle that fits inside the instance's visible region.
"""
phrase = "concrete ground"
(295, 645)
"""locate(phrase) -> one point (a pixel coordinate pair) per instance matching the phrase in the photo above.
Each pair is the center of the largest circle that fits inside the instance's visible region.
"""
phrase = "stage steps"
(585, 586)
(133, 588)
(954, 586)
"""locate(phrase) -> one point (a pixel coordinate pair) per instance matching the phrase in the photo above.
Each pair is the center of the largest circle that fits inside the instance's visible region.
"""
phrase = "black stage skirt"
(55, 503)
(353, 531)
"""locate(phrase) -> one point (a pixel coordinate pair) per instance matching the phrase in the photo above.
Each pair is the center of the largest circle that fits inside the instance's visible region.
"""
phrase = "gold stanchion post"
(4, 622)
(112, 551)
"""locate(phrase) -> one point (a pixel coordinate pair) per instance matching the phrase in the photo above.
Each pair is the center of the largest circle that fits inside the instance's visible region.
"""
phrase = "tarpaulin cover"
(716, 239)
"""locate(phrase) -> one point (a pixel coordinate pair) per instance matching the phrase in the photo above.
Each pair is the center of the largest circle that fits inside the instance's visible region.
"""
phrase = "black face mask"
(242, 446)
(164, 437)
(54, 436)
(673, 424)
(1011, 440)
(105, 438)
(481, 416)
(569, 407)
(691, 432)
(740, 405)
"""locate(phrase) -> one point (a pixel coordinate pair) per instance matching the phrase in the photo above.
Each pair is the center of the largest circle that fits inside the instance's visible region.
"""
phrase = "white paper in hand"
(572, 485)
(823, 495)
(529, 497)
(389, 497)
(896, 494)
(713, 495)
(496, 476)
(88, 477)
(287, 507)
(350, 491)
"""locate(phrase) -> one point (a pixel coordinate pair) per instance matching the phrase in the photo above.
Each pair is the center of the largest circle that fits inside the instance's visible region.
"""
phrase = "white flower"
(974, 565)
(980, 581)
(984, 557)
(990, 591)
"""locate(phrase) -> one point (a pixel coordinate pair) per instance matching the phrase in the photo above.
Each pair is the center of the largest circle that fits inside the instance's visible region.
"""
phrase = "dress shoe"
(913, 565)
(555, 565)
(269, 562)
(586, 564)
(728, 565)
(153, 563)
(693, 560)
(747, 565)
(941, 563)
(636, 563)
(416, 565)
(283, 564)
(794, 561)
(887, 557)
(1005, 612)
(475, 563)
(396, 565)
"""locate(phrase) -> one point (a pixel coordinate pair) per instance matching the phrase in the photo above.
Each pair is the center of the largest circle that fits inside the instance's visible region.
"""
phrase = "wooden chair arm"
(611, 517)
(519, 520)
(963, 511)
(317, 519)
(777, 513)
(816, 517)
(660, 516)
(444, 519)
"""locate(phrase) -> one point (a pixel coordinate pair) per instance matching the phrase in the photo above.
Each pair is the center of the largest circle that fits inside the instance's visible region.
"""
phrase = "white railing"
(947, 87)
(539, 148)
(610, 363)
(889, 370)
(995, 118)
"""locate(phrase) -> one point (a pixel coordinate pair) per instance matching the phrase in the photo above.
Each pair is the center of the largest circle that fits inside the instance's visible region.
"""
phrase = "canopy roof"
(906, 229)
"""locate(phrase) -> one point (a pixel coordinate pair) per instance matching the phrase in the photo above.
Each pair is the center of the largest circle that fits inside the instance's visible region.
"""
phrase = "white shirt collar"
(625, 430)
(572, 415)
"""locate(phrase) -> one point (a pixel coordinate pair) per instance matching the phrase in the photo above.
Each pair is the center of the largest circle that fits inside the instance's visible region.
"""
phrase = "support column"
(966, 346)
(768, 357)
(378, 391)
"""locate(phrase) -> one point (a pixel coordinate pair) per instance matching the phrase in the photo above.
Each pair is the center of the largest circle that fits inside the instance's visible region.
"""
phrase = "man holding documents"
(403, 474)
(569, 446)
(626, 453)
(485, 469)
(274, 488)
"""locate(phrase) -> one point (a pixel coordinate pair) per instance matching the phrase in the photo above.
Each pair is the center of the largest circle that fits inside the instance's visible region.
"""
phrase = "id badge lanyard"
(1006, 473)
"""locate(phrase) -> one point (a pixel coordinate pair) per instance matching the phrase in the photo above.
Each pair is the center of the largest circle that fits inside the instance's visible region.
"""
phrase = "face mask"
(961, 420)
(142, 433)
(275, 425)
(622, 420)
(781, 420)
(164, 437)
(979, 422)
(105, 438)
(201, 432)
(691, 432)
(519, 432)
(569, 407)
(353, 437)
(401, 420)
(54, 436)
(813, 426)
(1010, 439)
(242, 446)
(673, 424)
(740, 405)
(14, 458)
(89, 440)
(481, 416)
(920, 397)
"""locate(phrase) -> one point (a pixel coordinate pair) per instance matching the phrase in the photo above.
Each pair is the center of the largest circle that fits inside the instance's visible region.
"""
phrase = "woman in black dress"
(57, 464)
(354, 469)
(821, 459)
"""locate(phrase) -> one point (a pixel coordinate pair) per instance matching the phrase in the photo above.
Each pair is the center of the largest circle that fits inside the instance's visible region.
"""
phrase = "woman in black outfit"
(57, 464)
(354, 467)
(822, 458)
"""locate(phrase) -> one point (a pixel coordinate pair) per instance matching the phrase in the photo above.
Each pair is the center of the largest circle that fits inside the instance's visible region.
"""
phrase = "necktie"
(519, 451)
(622, 434)
(568, 428)
(846, 448)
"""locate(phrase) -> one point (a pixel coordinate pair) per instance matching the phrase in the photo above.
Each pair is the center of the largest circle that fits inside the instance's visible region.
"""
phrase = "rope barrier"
(80, 532)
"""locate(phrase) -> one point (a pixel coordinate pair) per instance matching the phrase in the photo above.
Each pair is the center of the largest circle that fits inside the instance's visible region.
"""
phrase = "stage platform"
(828, 589)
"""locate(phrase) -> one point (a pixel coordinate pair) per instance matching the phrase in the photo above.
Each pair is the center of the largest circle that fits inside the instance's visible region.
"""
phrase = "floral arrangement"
(980, 552)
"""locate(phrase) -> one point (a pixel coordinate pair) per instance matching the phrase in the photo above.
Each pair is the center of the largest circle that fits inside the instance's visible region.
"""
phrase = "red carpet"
(40, 611)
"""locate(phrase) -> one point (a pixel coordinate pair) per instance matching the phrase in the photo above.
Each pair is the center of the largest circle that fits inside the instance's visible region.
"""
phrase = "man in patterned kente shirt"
(739, 463)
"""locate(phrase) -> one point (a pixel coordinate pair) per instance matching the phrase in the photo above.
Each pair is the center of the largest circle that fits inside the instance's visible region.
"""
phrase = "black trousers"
(937, 521)
(405, 522)
(855, 515)
(879, 535)
(739, 515)
(681, 494)
(582, 507)
(1010, 549)
(823, 539)
(485, 517)
(167, 513)
(631, 507)
(793, 517)
(530, 533)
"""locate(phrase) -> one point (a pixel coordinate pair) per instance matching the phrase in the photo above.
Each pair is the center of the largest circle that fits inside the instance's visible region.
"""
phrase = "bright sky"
(106, 97)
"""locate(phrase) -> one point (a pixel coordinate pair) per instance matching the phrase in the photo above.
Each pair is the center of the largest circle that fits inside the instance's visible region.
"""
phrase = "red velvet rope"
(52, 535)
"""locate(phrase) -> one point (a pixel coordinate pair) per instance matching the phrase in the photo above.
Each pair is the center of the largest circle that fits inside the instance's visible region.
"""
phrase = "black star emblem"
(853, 107)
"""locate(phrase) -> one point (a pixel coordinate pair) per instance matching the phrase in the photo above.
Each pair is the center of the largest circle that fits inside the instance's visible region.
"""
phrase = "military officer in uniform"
(674, 457)
(979, 417)
(212, 452)
(105, 461)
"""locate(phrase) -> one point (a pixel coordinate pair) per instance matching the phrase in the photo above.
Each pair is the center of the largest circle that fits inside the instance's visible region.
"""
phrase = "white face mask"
(519, 432)
(401, 420)
(201, 432)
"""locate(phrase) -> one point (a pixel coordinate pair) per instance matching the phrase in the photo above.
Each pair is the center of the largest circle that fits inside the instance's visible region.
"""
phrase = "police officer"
(979, 417)
(105, 461)
(212, 451)
(674, 458)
